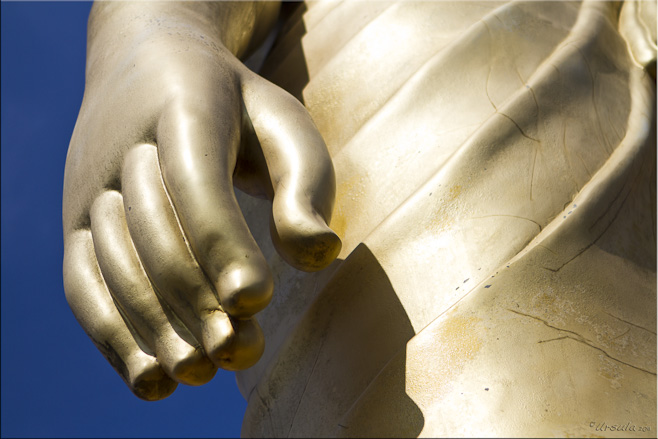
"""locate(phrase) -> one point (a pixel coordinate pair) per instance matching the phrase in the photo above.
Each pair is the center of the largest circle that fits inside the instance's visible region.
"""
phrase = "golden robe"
(496, 200)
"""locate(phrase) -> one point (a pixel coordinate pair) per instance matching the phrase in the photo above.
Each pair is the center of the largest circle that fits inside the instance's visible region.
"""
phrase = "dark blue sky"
(54, 381)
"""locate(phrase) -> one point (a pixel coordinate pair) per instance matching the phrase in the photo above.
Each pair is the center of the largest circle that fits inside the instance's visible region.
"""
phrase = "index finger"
(198, 145)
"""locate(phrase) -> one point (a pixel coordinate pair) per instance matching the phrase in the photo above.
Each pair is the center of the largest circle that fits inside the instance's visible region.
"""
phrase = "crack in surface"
(266, 405)
(608, 149)
(567, 156)
(486, 89)
(553, 339)
(301, 398)
(621, 335)
(510, 216)
(580, 339)
(519, 128)
(544, 322)
(532, 92)
(532, 173)
(632, 324)
(555, 270)
(546, 248)
(612, 203)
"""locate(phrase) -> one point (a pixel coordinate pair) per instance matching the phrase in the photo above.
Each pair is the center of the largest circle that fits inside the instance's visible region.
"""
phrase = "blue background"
(54, 381)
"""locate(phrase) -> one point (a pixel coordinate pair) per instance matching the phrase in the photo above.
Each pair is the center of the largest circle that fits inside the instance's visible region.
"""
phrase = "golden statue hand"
(160, 268)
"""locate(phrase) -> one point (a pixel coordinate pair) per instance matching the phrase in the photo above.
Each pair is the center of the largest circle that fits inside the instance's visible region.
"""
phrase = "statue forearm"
(117, 28)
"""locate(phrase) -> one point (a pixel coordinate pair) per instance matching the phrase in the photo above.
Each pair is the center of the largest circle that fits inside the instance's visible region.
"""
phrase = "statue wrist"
(117, 28)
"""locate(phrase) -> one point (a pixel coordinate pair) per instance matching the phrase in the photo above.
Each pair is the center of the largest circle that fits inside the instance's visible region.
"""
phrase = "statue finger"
(243, 345)
(197, 147)
(301, 173)
(171, 267)
(171, 342)
(96, 312)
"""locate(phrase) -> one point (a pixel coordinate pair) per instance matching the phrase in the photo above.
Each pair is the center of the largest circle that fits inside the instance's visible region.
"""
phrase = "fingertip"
(246, 288)
(233, 344)
(304, 240)
(149, 382)
(190, 366)
(96, 312)
(324, 250)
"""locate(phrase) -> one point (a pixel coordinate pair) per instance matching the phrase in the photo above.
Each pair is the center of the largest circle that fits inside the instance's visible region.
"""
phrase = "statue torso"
(482, 153)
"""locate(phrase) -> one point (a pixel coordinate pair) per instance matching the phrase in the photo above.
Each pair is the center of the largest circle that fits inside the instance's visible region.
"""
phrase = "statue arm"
(239, 26)
(160, 268)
